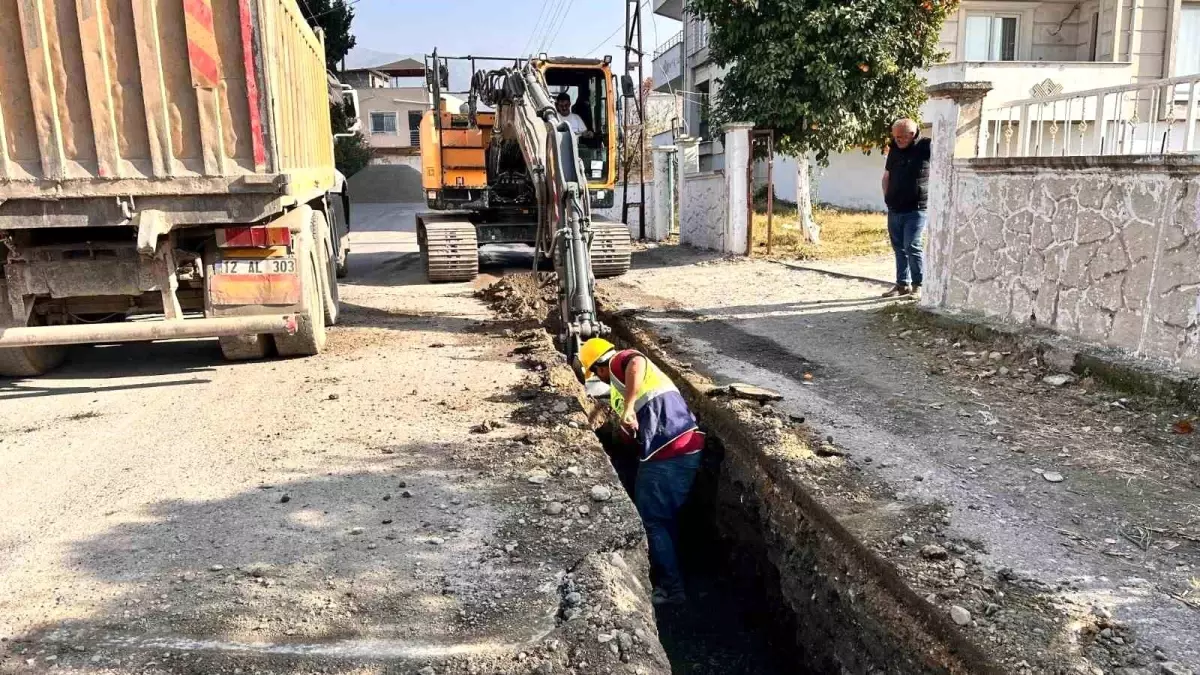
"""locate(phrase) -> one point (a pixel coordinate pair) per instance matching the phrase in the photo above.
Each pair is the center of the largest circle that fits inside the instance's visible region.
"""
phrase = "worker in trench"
(659, 429)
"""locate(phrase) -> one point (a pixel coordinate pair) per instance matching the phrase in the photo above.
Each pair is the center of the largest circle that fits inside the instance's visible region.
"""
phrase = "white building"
(1024, 48)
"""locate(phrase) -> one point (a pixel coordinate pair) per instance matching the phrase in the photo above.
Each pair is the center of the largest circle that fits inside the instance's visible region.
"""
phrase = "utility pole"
(634, 68)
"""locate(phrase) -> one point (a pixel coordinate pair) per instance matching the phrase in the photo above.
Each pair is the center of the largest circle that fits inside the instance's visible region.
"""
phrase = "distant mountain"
(362, 57)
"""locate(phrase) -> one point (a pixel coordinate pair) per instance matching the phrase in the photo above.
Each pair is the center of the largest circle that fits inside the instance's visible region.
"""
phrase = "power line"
(335, 8)
(603, 42)
(561, 23)
(541, 15)
(554, 19)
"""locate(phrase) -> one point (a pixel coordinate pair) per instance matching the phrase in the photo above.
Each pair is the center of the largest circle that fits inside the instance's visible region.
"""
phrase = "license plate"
(268, 266)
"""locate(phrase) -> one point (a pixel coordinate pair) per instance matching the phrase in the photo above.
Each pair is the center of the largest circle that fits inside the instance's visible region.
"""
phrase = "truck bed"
(161, 97)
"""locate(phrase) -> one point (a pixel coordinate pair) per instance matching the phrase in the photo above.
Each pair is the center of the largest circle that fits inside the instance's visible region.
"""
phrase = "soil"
(384, 507)
(1063, 519)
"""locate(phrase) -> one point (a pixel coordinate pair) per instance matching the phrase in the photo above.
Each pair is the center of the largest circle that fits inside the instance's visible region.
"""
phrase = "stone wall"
(704, 211)
(1105, 249)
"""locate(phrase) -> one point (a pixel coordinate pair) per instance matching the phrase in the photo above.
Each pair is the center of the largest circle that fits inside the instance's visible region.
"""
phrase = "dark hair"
(563, 96)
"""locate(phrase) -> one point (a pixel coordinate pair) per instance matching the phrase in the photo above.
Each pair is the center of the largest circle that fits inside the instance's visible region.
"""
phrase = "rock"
(960, 615)
(484, 427)
(334, 397)
(933, 552)
(601, 493)
(1053, 476)
(436, 541)
(995, 356)
(573, 599)
(216, 568)
(560, 408)
(574, 471)
(285, 499)
(1057, 380)
(537, 477)
(543, 668)
(906, 540)
(1173, 668)
(1059, 360)
(406, 494)
(553, 508)
(427, 670)
(753, 393)
(357, 530)
(584, 510)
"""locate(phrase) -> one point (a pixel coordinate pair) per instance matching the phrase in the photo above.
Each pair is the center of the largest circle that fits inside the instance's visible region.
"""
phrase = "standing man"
(906, 192)
(669, 444)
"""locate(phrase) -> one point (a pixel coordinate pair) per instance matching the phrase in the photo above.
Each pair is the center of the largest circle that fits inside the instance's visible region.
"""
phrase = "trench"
(731, 622)
(775, 584)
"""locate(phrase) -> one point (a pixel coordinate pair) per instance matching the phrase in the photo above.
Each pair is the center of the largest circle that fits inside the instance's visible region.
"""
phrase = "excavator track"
(611, 249)
(449, 250)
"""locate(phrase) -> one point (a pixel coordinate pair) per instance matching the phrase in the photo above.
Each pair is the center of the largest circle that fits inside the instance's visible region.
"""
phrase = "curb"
(1113, 367)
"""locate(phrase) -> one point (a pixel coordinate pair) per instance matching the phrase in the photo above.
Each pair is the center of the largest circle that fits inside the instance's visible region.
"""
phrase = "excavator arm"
(525, 113)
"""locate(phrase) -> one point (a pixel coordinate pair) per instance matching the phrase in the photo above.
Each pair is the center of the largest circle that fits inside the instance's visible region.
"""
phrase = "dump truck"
(166, 171)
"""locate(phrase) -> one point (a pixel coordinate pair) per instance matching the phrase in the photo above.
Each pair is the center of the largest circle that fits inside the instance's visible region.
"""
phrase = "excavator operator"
(562, 104)
(656, 420)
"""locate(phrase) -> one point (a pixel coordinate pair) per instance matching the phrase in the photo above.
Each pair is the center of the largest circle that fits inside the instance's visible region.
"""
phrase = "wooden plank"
(38, 64)
(5, 172)
(205, 62)
(99, 87)
(154, 87)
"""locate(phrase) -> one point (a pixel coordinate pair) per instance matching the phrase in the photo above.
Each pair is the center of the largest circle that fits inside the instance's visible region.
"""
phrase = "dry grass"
(844, 233)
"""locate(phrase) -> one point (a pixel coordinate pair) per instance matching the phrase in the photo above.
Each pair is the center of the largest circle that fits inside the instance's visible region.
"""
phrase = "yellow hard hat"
(592, 351)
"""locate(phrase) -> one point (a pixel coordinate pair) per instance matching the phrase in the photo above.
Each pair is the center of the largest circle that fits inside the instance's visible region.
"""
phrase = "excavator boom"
(525, 112)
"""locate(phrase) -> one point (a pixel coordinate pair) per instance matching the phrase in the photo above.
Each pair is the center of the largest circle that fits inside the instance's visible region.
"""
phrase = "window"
(991, 37)
(1187, 43)
(383, 122)
(414, 128)
(705, 109)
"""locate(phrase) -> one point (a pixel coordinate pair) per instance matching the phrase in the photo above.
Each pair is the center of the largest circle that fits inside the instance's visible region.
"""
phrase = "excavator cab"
(476, 176)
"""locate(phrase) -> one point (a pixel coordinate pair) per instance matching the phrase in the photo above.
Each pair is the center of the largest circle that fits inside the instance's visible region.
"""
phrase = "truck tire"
(330, 295)
(25, 361)
(337, 223)
(245, 347)
(310, 336)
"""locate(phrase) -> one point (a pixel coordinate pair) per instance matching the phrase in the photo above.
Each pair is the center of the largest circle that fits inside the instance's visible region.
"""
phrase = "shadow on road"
(348, 568)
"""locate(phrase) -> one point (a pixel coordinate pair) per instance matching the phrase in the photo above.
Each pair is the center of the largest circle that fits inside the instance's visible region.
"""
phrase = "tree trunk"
(812, 232)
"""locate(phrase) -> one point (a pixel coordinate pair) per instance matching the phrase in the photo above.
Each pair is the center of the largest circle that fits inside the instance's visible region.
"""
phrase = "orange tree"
(827, 75)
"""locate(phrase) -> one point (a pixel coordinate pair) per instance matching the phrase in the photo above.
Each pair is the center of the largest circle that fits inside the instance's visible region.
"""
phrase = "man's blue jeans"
(905, 231)
(661, 489)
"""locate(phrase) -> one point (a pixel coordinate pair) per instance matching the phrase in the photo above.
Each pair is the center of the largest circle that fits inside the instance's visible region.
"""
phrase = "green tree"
(351, 154)
(827, 75)
(333, 17)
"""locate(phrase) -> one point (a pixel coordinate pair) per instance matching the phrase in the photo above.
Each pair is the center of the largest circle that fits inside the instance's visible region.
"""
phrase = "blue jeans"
(905, 231)
(661, 489)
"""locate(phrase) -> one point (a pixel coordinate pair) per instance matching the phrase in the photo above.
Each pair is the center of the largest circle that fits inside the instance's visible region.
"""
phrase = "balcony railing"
(1148, 118)
(662, 49)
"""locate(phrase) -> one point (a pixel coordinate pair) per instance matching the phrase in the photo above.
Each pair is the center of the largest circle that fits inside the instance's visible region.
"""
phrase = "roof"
(403, 68)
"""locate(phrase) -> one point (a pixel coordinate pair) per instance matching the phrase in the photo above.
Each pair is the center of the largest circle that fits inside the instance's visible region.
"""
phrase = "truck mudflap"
(145, 331)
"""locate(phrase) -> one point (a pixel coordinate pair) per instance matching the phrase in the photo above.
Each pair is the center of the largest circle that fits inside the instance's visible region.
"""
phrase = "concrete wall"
(614, 214)
(1102, 249)
(851, 181)
(704, 210)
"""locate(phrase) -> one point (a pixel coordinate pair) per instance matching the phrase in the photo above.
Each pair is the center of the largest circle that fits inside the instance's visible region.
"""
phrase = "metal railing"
(666, 46)
(1147, 118)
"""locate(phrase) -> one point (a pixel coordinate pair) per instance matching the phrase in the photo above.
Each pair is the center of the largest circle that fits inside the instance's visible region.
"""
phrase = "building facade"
(1025, 48)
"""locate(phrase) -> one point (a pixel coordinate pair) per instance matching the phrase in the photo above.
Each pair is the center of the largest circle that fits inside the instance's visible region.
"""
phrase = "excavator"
(519, 172)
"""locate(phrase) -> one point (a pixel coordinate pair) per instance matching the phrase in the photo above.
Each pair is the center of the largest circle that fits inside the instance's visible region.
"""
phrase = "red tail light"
(253, 236)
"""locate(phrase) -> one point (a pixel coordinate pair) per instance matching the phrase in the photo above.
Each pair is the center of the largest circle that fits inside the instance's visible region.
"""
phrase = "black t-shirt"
(908, 176)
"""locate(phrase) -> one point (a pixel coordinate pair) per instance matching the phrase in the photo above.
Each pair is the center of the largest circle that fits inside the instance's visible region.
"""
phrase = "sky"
(501, 28)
